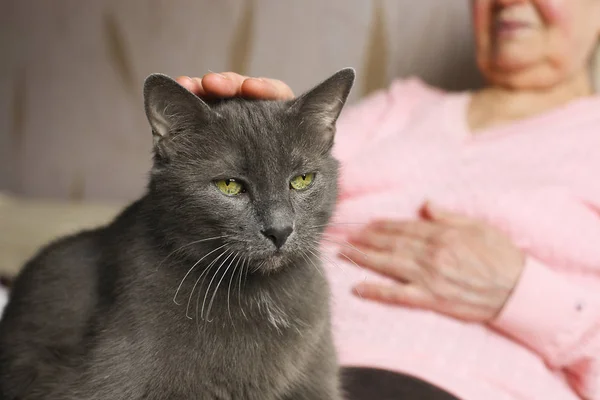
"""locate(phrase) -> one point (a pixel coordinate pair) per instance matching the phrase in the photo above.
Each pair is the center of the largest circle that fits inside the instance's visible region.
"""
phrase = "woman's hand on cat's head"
(230, 84)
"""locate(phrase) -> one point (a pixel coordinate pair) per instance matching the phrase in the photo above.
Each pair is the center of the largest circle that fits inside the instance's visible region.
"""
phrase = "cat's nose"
(278, 234)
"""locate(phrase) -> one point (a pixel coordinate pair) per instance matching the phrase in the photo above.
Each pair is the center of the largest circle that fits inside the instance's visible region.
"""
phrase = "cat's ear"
(321, 106)
(170, 107)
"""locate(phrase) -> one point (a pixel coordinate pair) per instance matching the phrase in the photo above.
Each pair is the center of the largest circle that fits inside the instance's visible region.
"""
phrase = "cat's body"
(155, 350)
(194, 291)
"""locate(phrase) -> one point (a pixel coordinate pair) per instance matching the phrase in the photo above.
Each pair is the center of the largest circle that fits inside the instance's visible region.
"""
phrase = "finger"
(267, 89)
(417, 229)
(198, 89)
(412, 295)
(403, 294)
(222, 85)
(187, 83)
(439, 214)
(194, 85)
(403, 269)
(231, 84)
(384, 240)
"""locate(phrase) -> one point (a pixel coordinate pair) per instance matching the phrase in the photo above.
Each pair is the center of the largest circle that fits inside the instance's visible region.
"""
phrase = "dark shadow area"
(377, 384)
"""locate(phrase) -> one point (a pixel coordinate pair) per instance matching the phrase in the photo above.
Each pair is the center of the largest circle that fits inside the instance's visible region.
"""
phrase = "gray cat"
(209, 286)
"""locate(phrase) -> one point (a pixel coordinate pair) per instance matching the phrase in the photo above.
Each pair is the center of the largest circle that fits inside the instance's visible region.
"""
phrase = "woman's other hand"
(230, 84)
(444, 262)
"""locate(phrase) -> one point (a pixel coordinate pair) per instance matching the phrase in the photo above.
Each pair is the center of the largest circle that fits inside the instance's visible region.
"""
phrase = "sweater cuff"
(546, 312)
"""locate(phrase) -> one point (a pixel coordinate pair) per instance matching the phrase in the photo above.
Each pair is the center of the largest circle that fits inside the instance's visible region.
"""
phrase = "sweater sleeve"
(560, 320)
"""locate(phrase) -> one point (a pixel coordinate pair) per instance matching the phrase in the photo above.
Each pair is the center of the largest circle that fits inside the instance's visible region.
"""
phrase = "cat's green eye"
(302, 182)
(230, 187)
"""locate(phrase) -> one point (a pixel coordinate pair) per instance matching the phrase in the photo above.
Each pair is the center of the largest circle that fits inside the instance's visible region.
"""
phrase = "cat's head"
(258, 176)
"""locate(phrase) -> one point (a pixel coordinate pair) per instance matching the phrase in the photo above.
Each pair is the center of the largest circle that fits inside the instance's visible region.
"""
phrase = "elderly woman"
(481, 212)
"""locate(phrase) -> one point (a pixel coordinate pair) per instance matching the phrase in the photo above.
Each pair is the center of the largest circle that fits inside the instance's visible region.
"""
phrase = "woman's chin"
(521, 73)
(515, 59)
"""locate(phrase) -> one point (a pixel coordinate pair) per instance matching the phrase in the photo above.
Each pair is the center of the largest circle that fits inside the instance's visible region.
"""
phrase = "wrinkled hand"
(230, 84)
(444, 262)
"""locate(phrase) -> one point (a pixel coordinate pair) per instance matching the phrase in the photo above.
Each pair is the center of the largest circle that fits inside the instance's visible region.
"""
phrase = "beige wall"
(71, 120)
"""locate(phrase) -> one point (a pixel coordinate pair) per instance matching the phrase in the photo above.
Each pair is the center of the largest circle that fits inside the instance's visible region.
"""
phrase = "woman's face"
(528, 44)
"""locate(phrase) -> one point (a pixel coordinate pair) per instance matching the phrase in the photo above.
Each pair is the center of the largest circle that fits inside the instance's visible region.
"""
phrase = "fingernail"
(266, 83)
(218, 74)
(256, 79)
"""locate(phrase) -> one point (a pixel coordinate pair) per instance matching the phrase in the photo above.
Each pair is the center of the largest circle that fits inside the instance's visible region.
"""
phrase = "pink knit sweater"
(539, 181)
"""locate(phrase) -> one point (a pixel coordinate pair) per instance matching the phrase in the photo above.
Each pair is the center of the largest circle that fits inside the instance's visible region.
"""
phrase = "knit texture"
(538, 181)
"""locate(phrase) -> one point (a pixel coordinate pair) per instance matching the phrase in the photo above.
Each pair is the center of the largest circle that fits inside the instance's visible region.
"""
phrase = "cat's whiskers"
(212, 299)
(243, 268)
(317, 253)
(258, 267)
(210, 284)
(229, 290)
(324, 258)
(310, 261)
(188, 245)
(204, 273)
(335, 224)
(347, 244)
(344, 243)
(352, 261)
(190, 270)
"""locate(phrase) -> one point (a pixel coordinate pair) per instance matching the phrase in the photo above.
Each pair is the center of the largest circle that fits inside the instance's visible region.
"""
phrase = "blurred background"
(74, 141)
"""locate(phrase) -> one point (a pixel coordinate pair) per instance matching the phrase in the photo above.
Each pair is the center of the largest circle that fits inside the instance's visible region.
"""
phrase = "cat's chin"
(273, 263)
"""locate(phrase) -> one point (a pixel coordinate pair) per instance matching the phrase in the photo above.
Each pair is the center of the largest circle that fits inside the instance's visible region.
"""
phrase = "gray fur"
(93, 316)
